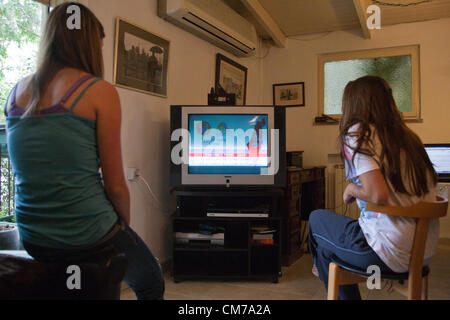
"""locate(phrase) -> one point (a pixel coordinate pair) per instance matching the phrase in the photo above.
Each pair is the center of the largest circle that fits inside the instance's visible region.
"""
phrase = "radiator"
(340, 184)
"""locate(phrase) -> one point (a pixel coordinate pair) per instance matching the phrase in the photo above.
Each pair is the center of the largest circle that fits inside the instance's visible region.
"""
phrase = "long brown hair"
(368, 101)
(62, 47)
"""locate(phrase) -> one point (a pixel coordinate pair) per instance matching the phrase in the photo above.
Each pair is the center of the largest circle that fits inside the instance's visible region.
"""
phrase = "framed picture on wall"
(232, 77)
(141, 59)
(289, 94)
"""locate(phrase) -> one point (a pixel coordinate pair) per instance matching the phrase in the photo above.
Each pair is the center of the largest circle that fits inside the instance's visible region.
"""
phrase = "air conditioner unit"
(213, 21)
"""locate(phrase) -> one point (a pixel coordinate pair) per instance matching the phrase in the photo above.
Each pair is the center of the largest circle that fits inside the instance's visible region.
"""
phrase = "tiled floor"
(297, 283)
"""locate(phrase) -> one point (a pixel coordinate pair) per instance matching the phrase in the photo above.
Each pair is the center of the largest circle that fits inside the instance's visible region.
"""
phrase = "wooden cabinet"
(305, 192)
(238, 256)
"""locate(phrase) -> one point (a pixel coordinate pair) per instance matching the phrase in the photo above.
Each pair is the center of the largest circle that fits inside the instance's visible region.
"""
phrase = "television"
(230, 146)
(439, 155)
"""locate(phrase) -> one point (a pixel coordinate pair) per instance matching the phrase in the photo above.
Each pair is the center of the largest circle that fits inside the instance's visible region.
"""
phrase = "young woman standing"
(63, 125)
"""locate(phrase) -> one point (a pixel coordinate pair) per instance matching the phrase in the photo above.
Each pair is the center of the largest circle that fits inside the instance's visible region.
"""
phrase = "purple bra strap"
(13, 93)
(75, 86)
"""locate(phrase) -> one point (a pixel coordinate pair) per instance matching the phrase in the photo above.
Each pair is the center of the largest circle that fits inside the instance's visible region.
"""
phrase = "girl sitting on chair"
(387, 165)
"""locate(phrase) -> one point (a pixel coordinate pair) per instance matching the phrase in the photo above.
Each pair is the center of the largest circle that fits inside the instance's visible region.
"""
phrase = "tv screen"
(228, 143)
(230, 146)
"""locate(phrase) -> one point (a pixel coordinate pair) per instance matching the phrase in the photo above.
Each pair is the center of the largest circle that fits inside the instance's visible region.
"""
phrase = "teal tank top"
(59, 195)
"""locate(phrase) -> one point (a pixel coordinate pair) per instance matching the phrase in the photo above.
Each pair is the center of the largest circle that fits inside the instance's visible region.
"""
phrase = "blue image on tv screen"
(228, 143)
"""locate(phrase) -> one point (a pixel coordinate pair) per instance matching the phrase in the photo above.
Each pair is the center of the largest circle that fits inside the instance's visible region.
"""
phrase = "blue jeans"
(143, 274)
(332, 234)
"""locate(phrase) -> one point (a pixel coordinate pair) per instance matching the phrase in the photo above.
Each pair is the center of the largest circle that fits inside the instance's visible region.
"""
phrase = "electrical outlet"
(132, 174)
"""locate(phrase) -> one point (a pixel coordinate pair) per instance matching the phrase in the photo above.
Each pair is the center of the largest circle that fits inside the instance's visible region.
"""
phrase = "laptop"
(439, 154)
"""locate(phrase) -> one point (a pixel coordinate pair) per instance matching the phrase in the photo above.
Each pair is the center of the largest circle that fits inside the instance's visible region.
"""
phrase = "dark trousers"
(143, 273)
(332, 234)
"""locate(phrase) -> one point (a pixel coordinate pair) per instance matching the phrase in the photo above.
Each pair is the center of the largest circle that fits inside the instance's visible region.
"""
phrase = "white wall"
(298, 62)
(145, 122)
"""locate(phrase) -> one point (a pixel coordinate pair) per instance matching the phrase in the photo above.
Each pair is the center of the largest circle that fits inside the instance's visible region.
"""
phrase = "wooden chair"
(341, 273)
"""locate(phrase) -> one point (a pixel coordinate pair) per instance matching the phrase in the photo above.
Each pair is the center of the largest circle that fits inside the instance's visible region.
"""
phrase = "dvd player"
(237, 213)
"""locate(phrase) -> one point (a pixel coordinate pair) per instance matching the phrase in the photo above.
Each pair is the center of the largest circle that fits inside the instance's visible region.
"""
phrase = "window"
(20, 25)
(20, 29)
(399, 66)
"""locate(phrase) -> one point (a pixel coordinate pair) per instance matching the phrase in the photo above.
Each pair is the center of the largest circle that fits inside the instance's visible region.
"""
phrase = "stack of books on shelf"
(262, 235)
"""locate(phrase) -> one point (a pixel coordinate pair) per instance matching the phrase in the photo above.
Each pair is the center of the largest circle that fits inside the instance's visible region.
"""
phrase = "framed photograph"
(289, 94)
(232, 77)
(141, 59)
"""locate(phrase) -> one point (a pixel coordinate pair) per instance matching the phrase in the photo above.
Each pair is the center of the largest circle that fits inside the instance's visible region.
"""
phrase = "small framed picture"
(289, 94)
(141, 59)
(232, 77)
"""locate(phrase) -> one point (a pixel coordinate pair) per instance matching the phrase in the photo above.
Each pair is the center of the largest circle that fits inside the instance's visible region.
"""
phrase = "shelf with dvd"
(206, 248)
(226, 247)
(264, 233)
(200, 233)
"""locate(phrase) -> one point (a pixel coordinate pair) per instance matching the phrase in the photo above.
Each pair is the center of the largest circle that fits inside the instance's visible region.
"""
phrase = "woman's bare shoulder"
(105, 94)
(106, 89)
(106, 86)
(21, 90)
(22, 85)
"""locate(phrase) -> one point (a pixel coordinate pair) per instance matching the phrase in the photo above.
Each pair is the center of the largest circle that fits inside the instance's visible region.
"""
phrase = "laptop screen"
(440, 157)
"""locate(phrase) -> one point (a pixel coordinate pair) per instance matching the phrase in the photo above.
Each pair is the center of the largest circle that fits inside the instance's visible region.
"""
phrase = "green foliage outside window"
(20, 25)
(7, 188)
(20, 28)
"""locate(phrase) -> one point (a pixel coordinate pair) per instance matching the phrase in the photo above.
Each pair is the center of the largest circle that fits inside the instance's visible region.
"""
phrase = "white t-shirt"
(391, 237)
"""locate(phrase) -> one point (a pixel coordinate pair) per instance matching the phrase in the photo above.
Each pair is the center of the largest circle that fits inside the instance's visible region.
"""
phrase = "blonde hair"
(62, 47)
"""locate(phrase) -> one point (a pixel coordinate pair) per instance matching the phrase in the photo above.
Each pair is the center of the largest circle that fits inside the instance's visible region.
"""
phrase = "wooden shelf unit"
(305, 192)
(238, 258)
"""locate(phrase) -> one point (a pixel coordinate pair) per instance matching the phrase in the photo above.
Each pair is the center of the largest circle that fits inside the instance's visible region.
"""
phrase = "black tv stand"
(240, 256)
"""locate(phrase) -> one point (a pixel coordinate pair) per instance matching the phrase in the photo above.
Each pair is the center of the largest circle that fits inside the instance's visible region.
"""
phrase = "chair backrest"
(422, 209)
(423, 212)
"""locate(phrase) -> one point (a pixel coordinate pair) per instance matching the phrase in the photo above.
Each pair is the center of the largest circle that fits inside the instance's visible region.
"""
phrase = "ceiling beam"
(361, 7)
(266, 21)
